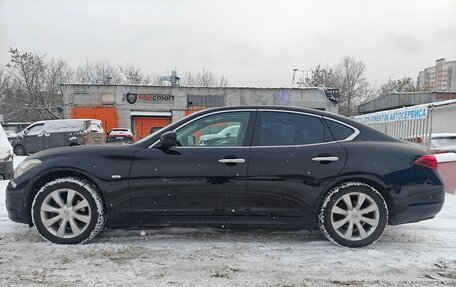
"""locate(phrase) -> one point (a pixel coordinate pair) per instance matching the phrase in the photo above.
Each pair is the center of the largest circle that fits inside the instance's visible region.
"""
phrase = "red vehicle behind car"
(122, 135)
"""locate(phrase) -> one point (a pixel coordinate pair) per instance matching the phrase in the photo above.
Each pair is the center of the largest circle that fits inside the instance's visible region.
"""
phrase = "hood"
(87, 150)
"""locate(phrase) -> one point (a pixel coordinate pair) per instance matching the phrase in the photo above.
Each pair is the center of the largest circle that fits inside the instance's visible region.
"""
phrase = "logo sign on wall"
(132, 98)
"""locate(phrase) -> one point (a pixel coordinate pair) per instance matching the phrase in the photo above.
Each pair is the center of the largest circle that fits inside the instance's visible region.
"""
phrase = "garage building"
(147, 108)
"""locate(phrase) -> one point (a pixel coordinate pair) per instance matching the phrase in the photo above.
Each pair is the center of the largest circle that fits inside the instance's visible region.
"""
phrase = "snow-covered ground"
(420, 254)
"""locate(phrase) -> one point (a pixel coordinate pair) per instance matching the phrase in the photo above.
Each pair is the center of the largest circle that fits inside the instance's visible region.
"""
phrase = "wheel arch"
(376, 183)
(51, 175)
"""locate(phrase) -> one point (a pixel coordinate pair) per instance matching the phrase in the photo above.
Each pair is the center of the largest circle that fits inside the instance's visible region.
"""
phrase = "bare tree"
(327, 77)
(204, 78)
(353, 86)
(97, 72)
(402, 85)
(36, 84)
(133, 75)
(5, 81)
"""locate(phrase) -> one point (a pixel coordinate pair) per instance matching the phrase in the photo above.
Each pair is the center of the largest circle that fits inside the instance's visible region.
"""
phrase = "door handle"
(325, 158)
(232, 160)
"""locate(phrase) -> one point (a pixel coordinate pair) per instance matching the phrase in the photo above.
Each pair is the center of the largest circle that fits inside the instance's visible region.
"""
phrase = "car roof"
(63, 120)
(287, 108)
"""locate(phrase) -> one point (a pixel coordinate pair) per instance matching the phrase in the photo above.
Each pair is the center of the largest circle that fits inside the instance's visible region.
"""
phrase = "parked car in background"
(6, 156)
(11, 135)
(285, 168)
(443, 142)
(58, 133)
(120, 135)
(231, 131)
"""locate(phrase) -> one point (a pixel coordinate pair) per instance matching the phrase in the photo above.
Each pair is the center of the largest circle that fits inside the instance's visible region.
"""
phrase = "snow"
(445, 157)
(59, 126)
(419, 254)
(5, 145)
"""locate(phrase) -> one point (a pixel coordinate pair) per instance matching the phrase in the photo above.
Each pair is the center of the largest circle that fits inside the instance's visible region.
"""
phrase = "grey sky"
(252, 43)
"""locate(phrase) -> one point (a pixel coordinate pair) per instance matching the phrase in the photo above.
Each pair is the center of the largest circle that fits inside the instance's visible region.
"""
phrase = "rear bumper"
(417, 203)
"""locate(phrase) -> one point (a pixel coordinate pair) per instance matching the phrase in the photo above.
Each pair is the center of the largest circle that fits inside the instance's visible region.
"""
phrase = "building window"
(199, 101)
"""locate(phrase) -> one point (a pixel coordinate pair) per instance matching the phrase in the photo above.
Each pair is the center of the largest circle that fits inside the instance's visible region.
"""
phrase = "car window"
(206, 132)
(279, 128)
(339, 131)
(35, 130)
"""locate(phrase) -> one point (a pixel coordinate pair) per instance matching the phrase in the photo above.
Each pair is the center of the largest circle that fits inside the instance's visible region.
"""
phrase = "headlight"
(25, 166)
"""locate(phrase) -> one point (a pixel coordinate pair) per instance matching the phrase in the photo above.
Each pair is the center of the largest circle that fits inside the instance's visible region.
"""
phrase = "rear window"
(279, 128)
(340, 131)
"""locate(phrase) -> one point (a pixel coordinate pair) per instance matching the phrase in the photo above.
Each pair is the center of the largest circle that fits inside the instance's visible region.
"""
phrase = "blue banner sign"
(409, 113)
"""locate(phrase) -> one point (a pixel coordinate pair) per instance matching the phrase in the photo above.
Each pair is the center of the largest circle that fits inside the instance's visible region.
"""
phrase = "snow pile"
(445, 157)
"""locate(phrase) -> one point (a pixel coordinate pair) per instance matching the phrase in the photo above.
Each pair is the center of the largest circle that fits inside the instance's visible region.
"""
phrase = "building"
(147, 108)
(403, 99)
(441, 77)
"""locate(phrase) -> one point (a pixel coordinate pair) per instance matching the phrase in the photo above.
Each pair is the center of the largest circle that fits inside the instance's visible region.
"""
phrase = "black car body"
(276, 176)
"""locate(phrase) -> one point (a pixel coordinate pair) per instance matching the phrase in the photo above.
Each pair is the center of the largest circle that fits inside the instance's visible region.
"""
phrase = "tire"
(83, 217)
(19, 150)
(346, 223)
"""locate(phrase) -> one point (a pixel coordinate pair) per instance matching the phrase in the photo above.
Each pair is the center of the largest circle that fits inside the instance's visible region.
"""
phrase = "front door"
(293, 158)
(195, 177)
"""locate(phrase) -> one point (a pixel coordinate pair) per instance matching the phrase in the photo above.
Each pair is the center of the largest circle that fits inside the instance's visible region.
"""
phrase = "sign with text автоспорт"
(409, 113)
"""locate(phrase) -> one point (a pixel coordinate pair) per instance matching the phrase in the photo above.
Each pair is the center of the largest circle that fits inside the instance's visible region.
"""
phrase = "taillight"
(85, 137)
(427, 161)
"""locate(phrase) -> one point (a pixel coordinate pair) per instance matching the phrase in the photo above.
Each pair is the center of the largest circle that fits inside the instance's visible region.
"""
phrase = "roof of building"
(404, 99)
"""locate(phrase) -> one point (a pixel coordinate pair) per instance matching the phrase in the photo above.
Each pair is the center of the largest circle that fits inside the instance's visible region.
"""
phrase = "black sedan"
(285, 168)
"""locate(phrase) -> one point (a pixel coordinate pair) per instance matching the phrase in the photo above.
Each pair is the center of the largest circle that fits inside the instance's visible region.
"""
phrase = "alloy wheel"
(65, 213)
(355, 216)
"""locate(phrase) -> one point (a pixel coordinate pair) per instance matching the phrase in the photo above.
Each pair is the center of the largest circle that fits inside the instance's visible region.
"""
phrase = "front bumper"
(16, 204)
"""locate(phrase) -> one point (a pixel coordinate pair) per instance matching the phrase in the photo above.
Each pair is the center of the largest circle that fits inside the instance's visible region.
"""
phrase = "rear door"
(293, 157)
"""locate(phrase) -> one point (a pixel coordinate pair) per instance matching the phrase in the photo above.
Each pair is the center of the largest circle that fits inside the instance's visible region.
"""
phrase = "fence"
(409, 123)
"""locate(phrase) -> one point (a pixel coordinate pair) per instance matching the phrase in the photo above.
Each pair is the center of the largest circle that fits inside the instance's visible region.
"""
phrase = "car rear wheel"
(19, 150)
(353, 214)
(68, 211)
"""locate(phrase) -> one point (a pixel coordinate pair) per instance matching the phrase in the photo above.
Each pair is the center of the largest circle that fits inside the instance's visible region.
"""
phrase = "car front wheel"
(68, 211)
(353, 214)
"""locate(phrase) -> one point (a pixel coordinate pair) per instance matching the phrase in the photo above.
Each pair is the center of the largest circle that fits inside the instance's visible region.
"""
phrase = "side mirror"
(25, 132)
(228, 135)
(169, 139)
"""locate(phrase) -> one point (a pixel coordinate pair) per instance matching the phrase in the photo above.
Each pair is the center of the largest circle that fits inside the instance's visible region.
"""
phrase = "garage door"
(108, 116)
(143, 126)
